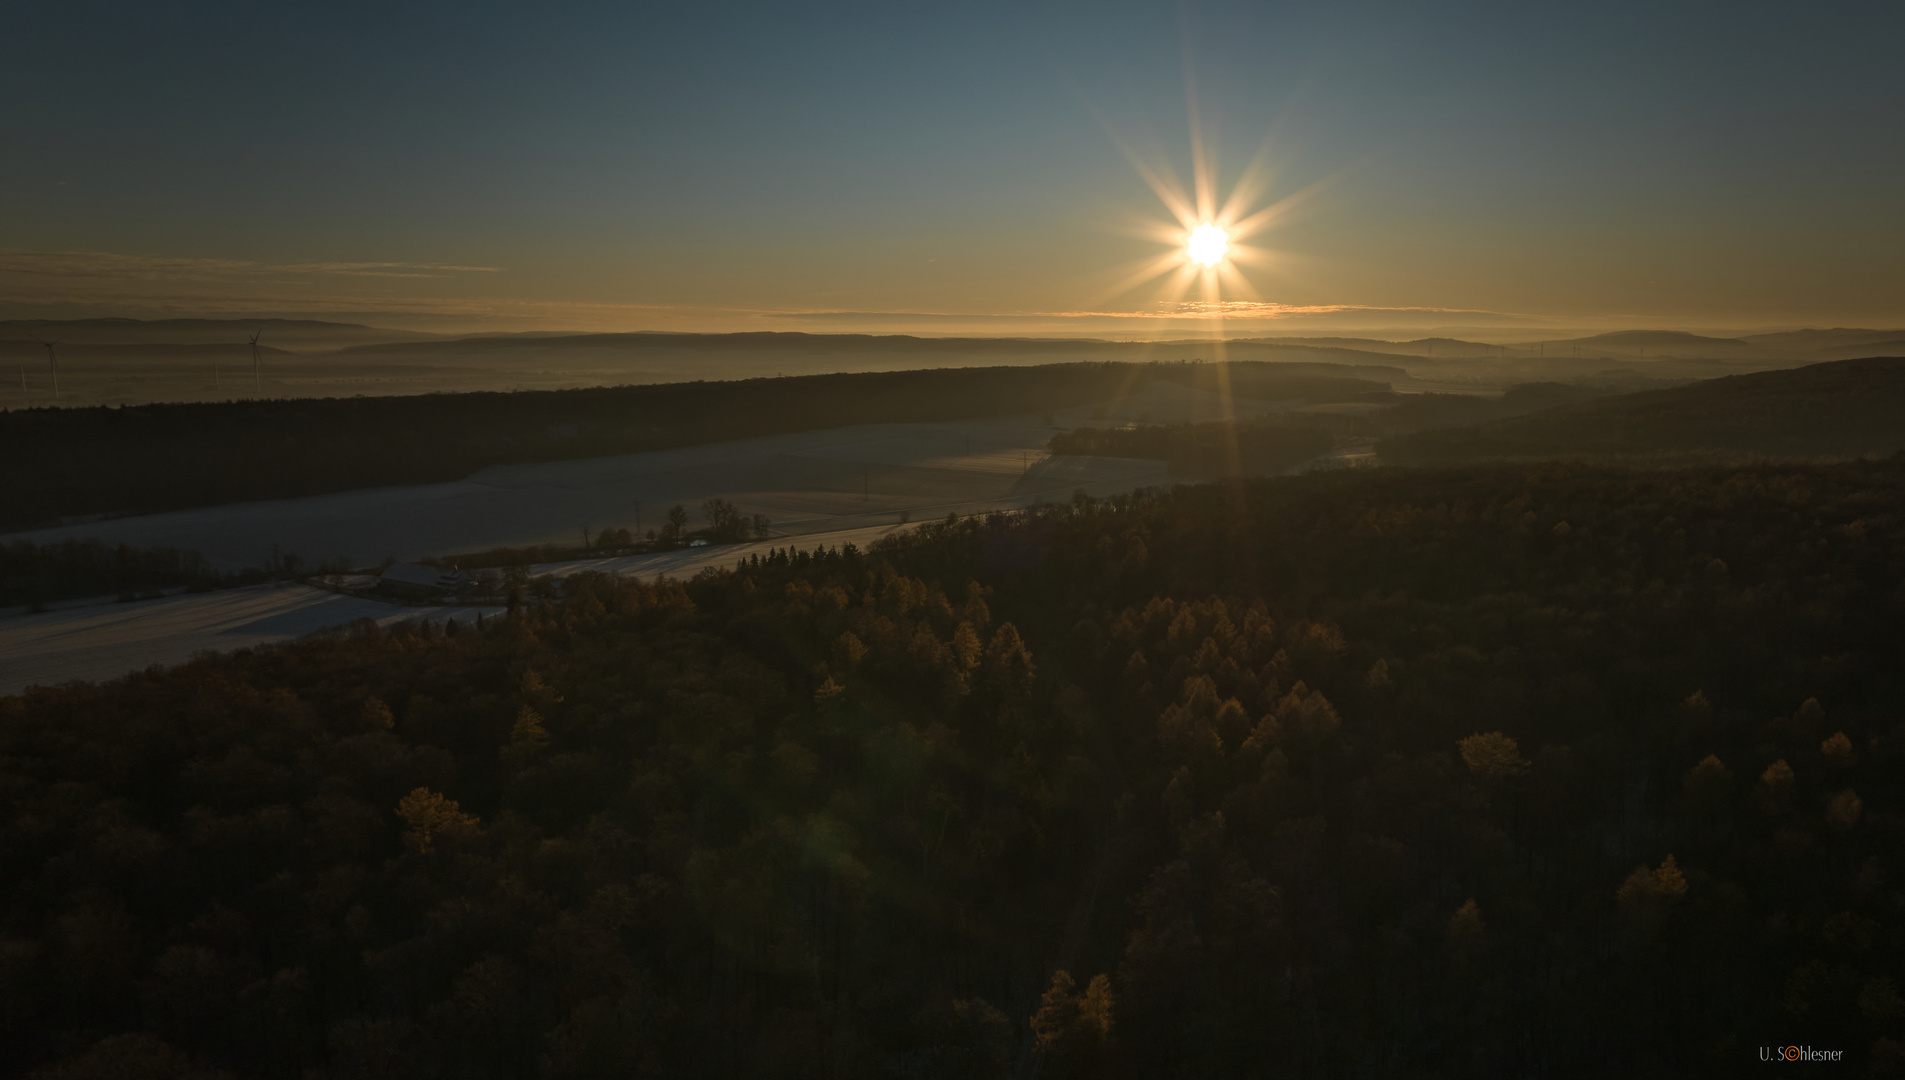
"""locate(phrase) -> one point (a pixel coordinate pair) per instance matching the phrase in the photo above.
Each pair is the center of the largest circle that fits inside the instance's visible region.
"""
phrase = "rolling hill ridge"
(1834, 410)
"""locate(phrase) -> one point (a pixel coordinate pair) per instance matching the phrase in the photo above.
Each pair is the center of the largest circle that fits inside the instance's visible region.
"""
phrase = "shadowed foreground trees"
(1373, 774)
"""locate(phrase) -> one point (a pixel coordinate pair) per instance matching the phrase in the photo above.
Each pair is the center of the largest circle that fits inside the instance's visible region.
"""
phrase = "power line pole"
(52, 362)
(257, 380)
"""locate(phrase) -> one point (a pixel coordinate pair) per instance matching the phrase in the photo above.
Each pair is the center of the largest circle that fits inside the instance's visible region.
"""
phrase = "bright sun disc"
(1207, 245)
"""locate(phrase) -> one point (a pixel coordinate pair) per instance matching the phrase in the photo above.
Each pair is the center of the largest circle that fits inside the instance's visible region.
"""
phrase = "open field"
(817, 481)
(821, 482)
(105, 640)
(833, 487)
(77, 465)
(109, 640)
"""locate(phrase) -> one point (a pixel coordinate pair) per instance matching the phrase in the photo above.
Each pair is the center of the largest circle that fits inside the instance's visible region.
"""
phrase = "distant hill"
(1836, 344)
(1664, 339)
(751, 341)
(1435, 348)
(1835, 338)
(1626, 345)
(1340, 361)
(1891, 347)
(1655, 345)
(156, 352)
(1833, 410)
(295, 334)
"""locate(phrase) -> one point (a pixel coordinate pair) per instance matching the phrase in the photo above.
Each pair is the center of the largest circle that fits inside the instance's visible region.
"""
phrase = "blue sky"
(748, 166)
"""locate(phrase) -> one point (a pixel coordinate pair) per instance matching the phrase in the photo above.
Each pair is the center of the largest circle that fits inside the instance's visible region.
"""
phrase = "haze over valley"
(128, 362)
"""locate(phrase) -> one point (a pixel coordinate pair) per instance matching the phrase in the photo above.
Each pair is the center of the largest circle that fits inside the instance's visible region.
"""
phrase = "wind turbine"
(257, 385)
(52, 362)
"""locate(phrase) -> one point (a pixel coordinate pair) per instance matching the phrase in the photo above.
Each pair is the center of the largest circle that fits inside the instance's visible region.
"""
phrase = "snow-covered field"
(832, 487)
(108, 640)
(817, 481)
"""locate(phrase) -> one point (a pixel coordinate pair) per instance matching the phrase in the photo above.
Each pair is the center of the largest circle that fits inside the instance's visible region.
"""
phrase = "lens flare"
(1207, 245)
(1209, 235)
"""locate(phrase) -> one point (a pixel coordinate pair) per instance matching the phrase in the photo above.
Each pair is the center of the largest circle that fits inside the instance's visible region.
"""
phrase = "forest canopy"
(1830, 411)
(1353, 772)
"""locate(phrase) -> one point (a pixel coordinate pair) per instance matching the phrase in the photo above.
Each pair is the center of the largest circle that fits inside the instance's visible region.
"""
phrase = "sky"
(978, 167)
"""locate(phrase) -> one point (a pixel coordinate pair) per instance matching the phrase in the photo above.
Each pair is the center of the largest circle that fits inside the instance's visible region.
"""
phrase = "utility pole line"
(257, 380)
(52, 362)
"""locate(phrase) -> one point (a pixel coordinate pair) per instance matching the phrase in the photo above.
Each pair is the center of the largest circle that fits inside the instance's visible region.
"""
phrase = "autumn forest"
(1490, 770)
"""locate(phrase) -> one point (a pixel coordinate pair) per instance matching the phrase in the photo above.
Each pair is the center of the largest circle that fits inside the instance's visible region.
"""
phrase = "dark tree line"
(35, 574)
(72, 462)
(1416, 412)
(1267, 445)
(722, 523)
(1829, 411)
(1206, 450)
(1495, 771)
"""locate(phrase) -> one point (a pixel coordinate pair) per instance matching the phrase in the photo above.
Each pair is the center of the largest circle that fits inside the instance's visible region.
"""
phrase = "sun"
(1207, 245)
(1209, 235)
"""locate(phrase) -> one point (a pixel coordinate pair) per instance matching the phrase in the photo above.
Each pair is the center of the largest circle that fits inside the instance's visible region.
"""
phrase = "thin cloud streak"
(105, 264)
(1263, 309)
